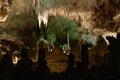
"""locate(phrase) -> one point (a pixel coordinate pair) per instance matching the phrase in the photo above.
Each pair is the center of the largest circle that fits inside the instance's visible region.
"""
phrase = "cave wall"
(22, 20)
(21, 23)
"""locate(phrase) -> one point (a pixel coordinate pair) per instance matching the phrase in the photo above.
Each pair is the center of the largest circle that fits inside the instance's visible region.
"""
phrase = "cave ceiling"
(18, 18)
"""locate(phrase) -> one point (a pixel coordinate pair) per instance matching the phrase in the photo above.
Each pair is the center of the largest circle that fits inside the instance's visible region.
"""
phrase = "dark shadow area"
(80, 70)
(23, 70)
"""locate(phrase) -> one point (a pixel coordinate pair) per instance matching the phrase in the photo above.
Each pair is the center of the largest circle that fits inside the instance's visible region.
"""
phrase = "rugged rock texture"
(18, 18)
(93, 14)
(21, 22)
